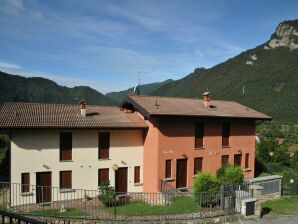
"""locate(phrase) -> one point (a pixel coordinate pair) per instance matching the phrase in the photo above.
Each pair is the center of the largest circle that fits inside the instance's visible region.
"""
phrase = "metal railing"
(92, 204)
(9, 217)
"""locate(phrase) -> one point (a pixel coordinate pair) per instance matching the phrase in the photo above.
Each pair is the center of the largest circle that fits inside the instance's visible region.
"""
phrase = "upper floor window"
(65, 179)
(198, 165)
(103, 145)
(25, 182)
(199, 135)
(66, 146)
(226, 134)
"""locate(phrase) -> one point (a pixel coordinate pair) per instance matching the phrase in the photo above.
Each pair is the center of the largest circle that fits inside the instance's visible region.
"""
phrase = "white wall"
(31, 150)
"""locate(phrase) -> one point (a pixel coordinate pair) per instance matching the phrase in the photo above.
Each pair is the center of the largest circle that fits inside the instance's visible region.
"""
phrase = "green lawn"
(70, 212)
(284, 206)
(180, 205)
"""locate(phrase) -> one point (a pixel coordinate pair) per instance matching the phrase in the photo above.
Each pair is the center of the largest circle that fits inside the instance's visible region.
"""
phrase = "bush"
(107, 194)
(230, 174)
(205, 182)
(4, 149)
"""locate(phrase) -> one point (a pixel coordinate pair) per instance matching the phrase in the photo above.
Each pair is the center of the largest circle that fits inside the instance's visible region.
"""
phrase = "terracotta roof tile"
(159, 105)
(37, 115)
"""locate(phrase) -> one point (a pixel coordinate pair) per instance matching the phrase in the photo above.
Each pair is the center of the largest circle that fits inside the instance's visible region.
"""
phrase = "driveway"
(272, 219)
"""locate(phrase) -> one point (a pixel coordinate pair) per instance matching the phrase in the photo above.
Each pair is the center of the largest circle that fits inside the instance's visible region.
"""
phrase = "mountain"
(264, 78)
(41, 90)
(146, 89)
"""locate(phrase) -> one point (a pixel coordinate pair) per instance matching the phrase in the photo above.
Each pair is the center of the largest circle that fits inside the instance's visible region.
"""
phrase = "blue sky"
(103, 44)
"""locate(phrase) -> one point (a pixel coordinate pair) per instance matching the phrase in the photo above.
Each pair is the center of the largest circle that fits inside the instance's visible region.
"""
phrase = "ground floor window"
(103, 176)
(198, 165)
(137, 174)
(168, 168)
(224, 160)
(66, 179)
(25, 182)
(246, 160)
(237, 159)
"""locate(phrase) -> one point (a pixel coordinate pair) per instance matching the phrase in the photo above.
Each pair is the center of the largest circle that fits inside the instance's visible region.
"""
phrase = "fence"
(91, 204)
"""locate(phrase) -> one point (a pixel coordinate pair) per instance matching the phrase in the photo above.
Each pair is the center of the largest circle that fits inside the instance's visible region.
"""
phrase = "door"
(181, 173)
(121, 180)
(43, 187)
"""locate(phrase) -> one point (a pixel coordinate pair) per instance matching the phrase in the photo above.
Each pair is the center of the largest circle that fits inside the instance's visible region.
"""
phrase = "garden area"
(284, 206)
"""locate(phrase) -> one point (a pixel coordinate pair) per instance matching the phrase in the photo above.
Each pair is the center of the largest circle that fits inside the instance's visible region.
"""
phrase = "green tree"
(4, 149)
(230, 174)
(264, 147)
(205, 182)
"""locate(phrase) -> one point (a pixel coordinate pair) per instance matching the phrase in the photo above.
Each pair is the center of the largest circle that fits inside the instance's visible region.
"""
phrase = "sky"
(104, 44)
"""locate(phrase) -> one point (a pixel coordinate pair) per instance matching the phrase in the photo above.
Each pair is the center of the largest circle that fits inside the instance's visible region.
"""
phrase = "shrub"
(230, 174)
(107, 194)
(205, 182)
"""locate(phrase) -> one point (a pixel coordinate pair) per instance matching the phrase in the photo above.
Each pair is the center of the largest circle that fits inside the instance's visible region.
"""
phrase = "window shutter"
(65, 179)
(226, 134)
(168, 169)
(237, 159)
(103, 176)
(25, 182)
(137, 174)
(246, 160)
(104, 145)
(199, 135)
(66, 146)
(198, 165)
(225, 160)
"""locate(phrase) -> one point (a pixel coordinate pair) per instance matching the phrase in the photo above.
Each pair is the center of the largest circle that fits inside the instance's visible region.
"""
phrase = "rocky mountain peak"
(286, 35)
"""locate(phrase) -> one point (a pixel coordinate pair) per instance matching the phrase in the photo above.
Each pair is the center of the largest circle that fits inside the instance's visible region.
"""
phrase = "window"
(225, 134)
(104, 145)
(168, 168)
(103, 176)
(65, 179)
(199, 135)
(237, 159)
(246, 160)
(137, 174)
(25, 182)
(224, 160)
(66, 146)
(198, 165)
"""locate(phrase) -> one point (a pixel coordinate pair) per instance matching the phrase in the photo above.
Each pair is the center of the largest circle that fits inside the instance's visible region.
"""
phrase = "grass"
(70, 212)
(180, 205)
(284, 206)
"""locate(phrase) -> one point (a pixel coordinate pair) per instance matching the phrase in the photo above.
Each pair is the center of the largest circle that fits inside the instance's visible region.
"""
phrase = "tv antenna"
(138, 86)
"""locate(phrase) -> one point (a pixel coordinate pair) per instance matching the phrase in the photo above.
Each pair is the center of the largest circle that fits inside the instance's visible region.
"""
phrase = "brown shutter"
(246, 160)
(199, 135)
(137, 174)
(103, 145)
(103, 176)
(225, 160)
(168, 168)
(65, 179)
(226, 134)
(25, 182)
(198, 165)
(66, 146)
(237, 159)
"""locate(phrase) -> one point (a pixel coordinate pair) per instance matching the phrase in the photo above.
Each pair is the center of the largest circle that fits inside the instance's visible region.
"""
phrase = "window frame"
(200, 167)
(222, 160)
(240, 156)
(137, 174)
(64, 147)
(25, 187)
(226, 134)
(168, 168)
(246, 161)
(104, 145)
(98, 176)
(199, 134)
(61, 181)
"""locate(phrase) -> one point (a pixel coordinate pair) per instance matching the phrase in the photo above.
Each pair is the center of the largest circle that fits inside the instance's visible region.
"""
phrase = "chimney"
(206, 98)
(83, 108)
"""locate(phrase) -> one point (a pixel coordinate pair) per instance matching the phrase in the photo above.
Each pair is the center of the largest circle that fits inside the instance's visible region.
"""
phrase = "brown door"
(181, 173)
(121, 180)
(43, 187)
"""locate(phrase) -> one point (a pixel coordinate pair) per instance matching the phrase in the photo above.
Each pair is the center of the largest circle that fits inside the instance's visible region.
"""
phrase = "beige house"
(74, 147)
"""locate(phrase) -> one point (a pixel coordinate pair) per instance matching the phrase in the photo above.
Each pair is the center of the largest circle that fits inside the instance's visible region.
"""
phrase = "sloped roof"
(38, 115)
(174, 106)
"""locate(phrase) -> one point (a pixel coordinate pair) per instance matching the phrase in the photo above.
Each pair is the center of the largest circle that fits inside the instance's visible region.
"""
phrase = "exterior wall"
(176, 139)
(33, 151)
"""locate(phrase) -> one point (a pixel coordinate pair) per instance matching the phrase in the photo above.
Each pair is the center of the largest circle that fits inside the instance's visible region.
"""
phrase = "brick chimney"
(83, 108)
(206, 98)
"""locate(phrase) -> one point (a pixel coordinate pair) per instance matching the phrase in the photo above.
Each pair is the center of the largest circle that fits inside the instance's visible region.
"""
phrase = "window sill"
(168, 179)
(66, 161)
(225, 146)
(67, 190)
(138, 184)
(247, 169)
(27, 194)
(199, 148)
(104, 159)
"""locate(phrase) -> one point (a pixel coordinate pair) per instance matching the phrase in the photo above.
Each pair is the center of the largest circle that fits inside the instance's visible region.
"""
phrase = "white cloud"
(11, 7)
(9, 65)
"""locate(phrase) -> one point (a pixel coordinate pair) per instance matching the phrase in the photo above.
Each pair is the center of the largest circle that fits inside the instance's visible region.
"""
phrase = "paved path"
(272, 219)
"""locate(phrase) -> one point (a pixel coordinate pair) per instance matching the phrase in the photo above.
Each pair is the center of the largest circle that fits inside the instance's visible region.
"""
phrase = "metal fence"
(92, 204)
